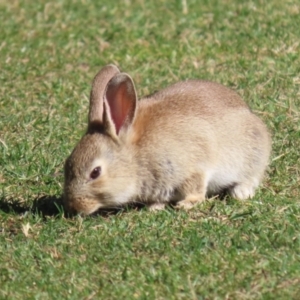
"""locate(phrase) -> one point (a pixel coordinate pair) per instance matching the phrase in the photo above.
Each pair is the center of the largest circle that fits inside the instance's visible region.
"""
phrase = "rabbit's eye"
(95, 173)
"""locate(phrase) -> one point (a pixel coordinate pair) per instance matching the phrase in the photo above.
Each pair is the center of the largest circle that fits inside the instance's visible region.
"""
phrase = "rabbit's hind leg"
(245, 190)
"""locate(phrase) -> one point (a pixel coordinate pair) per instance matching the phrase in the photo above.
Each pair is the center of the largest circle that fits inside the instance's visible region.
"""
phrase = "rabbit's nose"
(69, 207)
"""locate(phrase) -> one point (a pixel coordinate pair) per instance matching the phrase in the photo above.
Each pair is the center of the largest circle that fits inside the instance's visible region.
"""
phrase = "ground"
(49, 54)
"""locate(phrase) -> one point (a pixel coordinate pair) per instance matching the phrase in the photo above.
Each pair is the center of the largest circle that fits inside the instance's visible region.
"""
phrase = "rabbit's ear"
(122, 100)
(100, 82)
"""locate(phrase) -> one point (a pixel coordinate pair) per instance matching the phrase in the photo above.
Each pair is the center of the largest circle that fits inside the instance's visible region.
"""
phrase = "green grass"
(49, 53)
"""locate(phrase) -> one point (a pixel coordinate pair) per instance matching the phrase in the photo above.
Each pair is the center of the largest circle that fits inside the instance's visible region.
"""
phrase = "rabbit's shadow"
(44, 206)
(52, 206)
(49, 206)
(13, 205)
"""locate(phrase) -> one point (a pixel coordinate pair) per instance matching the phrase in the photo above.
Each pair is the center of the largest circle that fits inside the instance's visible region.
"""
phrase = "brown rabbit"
(189, 140)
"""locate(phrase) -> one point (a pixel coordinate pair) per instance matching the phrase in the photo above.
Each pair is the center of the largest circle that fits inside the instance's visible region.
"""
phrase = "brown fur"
(189, 140)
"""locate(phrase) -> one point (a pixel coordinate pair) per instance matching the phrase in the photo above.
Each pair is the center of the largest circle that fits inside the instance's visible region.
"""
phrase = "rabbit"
(191, 140)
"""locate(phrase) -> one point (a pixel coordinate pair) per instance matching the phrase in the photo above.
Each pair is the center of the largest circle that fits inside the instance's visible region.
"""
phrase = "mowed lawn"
(49, 54)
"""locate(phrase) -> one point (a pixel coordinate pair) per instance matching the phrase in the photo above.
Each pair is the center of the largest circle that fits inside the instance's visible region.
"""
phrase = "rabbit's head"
(100, 172)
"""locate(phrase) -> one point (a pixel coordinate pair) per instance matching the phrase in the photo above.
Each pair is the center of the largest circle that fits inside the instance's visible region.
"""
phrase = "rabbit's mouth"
(89, 205)
(83, 206)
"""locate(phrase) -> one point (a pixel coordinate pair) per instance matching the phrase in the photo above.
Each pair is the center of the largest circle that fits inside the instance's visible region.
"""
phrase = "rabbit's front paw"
(190, 201)
(156, 206)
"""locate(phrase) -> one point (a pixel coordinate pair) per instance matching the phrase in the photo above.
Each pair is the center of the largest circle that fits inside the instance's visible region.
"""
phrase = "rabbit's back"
(189, 108)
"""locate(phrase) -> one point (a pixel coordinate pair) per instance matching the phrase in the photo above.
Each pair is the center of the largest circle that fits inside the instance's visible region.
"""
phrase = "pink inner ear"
(120, 104)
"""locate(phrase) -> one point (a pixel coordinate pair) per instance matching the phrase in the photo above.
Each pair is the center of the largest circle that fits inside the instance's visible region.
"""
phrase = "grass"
(49, 53)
